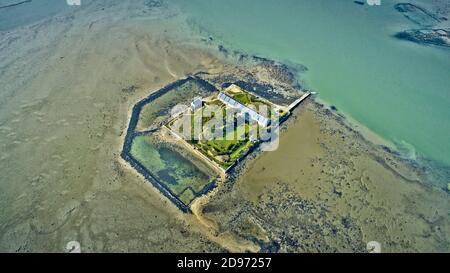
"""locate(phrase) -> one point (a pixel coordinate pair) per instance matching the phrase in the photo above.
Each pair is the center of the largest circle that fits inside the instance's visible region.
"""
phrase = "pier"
(298, 101)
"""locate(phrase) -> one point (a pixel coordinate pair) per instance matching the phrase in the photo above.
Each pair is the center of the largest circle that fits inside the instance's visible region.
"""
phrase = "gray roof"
(252, 113)
(196, 103)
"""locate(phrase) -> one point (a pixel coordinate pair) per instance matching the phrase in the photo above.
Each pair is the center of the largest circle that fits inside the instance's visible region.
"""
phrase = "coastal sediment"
(66, 100)
(341, 197)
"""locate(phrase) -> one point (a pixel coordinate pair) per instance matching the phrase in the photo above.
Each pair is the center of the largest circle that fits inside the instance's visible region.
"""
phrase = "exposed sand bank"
(64, 103)
(327, 189)
(68, 84)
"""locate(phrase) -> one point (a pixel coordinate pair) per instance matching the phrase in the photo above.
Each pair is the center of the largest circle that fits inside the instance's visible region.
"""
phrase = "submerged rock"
(439, 37)
(417, 15)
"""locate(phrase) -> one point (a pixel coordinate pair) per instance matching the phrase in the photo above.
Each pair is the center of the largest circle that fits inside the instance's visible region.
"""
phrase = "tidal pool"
(175, 172)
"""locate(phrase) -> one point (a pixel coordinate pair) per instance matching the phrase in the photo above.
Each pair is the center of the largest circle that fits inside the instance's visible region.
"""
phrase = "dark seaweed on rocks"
(438, 37)
(279, 71)
(425, 19)
(272, 247)
(154, 3)
(223, 50)
(286, 73)
(265, 91)
(129, 90)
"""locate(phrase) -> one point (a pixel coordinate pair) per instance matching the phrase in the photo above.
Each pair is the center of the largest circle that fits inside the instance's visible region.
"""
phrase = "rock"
(438, 37)
(417, 15)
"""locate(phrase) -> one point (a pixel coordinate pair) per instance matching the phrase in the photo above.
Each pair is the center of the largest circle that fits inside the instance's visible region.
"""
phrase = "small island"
(190, 134)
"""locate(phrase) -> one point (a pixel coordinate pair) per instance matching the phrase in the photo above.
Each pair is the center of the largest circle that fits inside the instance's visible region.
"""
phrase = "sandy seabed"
(67, 86)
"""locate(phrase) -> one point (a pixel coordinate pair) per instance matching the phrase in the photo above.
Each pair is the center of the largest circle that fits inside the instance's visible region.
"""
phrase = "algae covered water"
(398, 89)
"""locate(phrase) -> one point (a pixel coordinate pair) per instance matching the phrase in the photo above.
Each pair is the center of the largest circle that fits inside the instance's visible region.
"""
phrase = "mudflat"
(327, 189)
(68, 85)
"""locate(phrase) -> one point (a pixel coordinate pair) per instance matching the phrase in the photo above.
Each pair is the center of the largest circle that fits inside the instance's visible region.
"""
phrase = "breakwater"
(132, 133)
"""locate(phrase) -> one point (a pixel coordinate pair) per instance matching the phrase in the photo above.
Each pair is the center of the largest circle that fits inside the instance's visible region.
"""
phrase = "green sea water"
(400, 90)
(21, 12)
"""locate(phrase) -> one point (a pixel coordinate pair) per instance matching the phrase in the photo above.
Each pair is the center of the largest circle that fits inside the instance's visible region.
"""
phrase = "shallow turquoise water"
(28, 13)
(398, 89)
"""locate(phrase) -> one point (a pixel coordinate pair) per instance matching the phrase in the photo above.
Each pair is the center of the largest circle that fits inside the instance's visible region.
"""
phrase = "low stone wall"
(131, 134)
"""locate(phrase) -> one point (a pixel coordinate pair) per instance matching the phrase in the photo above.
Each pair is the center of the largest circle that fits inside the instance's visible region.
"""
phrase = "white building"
(197, 103)
(263, 121)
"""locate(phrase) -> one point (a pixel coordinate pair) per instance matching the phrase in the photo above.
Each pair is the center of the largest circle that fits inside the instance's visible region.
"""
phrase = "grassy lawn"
(236, 142)
(231, 149)
(223, 147)
(241, 150)
(225, 151)
(243, 98)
